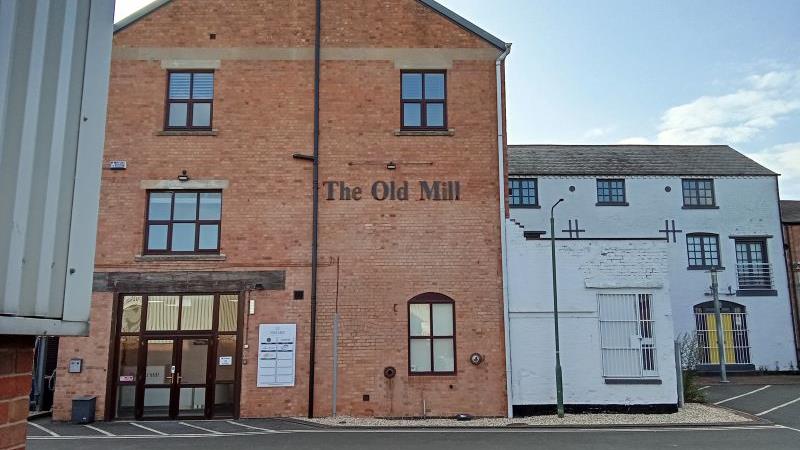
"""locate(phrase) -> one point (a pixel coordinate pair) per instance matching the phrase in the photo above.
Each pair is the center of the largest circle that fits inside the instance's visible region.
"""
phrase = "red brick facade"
(16, 362)
(791, 233)
(378, 254)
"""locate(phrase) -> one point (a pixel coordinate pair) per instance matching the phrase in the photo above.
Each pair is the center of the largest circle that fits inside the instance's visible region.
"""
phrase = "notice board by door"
(276, 355)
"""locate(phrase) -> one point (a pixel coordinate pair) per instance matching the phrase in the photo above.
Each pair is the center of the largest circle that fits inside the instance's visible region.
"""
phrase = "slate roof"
(676, 160)
(436, 6)
(790, 211)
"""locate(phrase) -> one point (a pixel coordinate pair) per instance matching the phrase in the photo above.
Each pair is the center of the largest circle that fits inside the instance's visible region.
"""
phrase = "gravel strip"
(692, 413)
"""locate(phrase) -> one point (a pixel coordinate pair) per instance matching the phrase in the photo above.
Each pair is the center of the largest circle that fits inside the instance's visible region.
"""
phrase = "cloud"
(599, 132)
(733, 118)
(636, 140)
(784, 159)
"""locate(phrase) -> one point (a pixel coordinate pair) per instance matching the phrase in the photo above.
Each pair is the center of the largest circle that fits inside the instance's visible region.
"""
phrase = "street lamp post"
(559, 384)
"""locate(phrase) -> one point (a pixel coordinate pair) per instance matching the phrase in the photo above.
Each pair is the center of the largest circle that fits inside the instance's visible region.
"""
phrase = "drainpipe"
(315, 219)
(504, 246)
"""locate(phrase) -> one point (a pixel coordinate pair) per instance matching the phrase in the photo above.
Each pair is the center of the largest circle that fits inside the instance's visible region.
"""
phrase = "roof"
(436, 6)
(790, 211)
(708, 160)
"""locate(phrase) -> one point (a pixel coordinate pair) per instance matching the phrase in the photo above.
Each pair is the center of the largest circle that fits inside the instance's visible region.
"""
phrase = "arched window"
(431, 335)
(734, 333)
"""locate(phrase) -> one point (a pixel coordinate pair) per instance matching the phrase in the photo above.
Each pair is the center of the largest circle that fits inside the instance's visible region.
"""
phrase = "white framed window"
(627, 335)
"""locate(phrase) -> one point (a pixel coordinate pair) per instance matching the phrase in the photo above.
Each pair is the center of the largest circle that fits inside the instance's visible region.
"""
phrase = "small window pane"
(443, 355)
(183, 237)
(420, 355)
(197, 312)
(157, 237)
(442, 319)
(226, 368)
(179, 85)
(210, 205)
(420, 319)
(201, 115)
(412, 86)
(131, 313)
(177, 114)
(228, 312)
(412, 115)
(160, 205)
(185, 206)
(128, 358)
(162, 312)
(208, 237)
(434, 86)
(435, 115)
(203, 86)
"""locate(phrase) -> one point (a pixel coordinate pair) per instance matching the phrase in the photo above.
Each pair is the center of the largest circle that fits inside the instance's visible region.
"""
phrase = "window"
(523, 193)
(734, 333)
(698, 193)
(423, 100)
(431, 335)
(190, 98)
(183, 222)
(611, 192)
(753, 270)
(627, 335)
(703, 250)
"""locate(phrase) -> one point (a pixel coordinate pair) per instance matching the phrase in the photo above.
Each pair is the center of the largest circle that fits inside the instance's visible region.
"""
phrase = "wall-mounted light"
(183, 176)
(391, 165)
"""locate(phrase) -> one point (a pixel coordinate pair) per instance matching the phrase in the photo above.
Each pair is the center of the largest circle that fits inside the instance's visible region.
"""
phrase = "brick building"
(204, 252)
(790, 218)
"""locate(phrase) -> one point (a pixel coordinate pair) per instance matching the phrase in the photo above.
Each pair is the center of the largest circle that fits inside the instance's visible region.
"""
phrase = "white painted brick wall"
(747, 206)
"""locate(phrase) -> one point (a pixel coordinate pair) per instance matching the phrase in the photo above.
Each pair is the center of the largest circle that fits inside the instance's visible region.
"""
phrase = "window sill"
(524, 206)
(756, 293)
(187, 133)
(447, 132)
(611, 204)
(719, 268)
(700, 207)
(633, 381)
(195, 257)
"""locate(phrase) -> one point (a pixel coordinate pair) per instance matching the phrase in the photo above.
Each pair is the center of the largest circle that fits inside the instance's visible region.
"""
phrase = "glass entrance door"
(176, 356)
(176, 378)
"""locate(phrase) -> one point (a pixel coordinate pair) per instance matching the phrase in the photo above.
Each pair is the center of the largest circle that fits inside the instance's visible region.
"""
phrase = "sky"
(650, 72)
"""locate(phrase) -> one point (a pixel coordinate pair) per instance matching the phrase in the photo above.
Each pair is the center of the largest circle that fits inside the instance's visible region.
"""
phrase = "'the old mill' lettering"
(391, 190)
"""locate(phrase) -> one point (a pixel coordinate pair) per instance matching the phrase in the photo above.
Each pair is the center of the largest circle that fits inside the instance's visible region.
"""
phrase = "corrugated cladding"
(54, 64)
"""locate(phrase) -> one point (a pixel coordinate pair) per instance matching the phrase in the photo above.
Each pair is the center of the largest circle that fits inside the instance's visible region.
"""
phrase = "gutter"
(315, 218)
(499, 64)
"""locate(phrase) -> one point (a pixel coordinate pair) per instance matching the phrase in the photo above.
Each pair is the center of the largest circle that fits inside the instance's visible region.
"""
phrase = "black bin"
(83, 409)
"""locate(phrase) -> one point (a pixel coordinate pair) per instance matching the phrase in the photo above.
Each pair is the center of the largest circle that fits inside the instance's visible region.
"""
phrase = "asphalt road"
(779, 404)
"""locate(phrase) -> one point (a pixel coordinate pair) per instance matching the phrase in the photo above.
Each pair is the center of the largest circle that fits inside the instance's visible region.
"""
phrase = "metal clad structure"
(54, 69)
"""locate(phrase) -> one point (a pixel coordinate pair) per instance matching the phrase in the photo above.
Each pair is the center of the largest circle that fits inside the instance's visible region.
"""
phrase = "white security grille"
(734, 338)
(627, 335)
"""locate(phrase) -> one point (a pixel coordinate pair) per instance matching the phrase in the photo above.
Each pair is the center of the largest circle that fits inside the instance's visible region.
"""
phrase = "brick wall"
(16, 363)
(387, 251)
(791, 233)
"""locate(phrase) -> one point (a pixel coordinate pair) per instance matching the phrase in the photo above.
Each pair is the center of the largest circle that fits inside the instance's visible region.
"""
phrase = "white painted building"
(644, 220)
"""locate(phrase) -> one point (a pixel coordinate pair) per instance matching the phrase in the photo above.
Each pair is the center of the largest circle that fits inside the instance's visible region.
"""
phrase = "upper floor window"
(431, 335)
(183, 221)
(190, 99)
(611, 192)
(523, 193)
(698, 193)
(703, 250)
(423, 100)
(753, 270)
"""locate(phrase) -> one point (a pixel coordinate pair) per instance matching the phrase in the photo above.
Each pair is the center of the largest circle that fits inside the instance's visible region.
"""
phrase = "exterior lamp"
(183, 176)
(559, 383)
(391, 165)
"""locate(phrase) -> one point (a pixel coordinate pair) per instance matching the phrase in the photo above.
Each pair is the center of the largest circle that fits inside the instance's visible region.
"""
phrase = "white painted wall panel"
(585, 268)
(54, 68)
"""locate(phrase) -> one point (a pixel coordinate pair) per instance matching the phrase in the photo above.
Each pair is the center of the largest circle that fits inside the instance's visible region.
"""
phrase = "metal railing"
(734, 338)
(754, 276)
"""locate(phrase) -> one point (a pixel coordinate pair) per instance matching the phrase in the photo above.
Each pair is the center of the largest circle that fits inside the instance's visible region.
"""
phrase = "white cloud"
(784, 159)
(598, 132)
(733, 118)
(636, 140)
